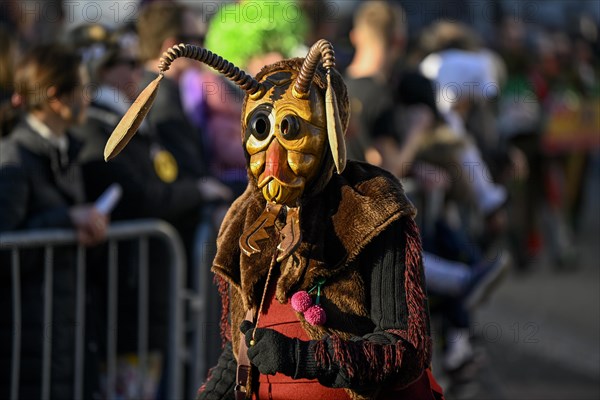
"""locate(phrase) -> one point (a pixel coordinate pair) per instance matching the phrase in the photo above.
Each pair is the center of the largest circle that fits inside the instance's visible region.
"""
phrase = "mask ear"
(335, 133)
(323, 50)
(132, 120)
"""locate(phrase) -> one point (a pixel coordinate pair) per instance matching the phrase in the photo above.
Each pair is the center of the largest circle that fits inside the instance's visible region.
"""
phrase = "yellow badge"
(165, 166)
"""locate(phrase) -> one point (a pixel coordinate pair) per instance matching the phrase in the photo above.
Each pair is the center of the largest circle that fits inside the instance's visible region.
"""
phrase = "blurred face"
(285, 139)
(124, 74)
(256, 63)
(191, 33)
(71, 107)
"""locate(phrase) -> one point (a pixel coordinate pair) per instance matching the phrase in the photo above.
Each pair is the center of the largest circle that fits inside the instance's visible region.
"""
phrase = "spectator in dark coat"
(151, 179)
(154, 183)
(41, 187)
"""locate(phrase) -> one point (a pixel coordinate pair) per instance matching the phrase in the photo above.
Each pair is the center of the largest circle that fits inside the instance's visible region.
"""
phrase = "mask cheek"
(254, 145)
(301, 164)
(257, 163)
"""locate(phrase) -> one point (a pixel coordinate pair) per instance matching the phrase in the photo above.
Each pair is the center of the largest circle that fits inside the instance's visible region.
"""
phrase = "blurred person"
(481, 119)
(436, 161)
(458, 276)
(558, 89)
(41, 187)
(462, 78)
(54, 102)
(152, 183)
(378, 38)
(520, 121)
(212, 103)
(8, 57)
(379, 27)
(542, 80)
(451, 146)
(35, 22)
(161, 25)
(383, 133)
(585, 81)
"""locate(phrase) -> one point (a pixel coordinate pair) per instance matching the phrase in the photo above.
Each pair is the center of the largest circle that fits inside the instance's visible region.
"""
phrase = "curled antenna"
(233, 73)
(322, 49)
(133, 118)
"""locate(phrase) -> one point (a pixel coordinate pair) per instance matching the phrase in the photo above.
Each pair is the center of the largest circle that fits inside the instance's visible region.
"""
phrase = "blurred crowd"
(491, 133)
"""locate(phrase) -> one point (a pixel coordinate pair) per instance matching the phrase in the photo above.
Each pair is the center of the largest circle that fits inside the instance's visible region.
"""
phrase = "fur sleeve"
(399, 348)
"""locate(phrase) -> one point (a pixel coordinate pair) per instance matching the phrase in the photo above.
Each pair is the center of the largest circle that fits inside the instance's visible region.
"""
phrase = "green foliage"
(239, 31)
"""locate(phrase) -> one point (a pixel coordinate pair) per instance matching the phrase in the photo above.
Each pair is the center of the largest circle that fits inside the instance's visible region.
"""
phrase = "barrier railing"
(201, 302)
(141, 230)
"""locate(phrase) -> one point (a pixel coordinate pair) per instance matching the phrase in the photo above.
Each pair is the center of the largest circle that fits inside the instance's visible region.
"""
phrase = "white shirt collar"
(60, 142)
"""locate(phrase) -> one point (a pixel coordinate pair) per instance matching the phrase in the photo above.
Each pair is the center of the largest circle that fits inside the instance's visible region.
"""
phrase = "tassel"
(322, 356)
(334, 128)
(225, 326)
(132, 119)
(415, 295)
(362, 360)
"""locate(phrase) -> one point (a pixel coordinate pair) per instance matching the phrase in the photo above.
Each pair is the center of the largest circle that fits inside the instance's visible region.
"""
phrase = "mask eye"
(260, 125)
(290, 127)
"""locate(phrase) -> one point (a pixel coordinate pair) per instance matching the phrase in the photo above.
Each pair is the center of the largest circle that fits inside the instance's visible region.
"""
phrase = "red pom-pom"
(315, 315)
(301, 301)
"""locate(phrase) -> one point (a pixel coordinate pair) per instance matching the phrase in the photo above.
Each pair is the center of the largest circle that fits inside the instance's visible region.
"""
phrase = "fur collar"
(336, 225)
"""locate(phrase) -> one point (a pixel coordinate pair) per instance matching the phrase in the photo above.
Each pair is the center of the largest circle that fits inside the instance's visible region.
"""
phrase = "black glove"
(273, 352)
(221, 380)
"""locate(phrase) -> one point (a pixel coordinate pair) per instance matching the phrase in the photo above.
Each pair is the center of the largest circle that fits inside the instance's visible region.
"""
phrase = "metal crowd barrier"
(141, 230)
(201, 301)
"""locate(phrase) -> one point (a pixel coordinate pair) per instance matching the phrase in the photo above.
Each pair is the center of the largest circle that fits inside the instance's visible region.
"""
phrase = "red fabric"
(283, 319)
(424, 388)
(437, 390)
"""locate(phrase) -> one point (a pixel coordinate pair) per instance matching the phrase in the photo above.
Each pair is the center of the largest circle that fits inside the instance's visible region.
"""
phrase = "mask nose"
(276, 163)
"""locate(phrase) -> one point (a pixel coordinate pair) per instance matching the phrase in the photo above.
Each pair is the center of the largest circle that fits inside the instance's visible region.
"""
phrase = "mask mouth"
(280, 192)
(297, 183)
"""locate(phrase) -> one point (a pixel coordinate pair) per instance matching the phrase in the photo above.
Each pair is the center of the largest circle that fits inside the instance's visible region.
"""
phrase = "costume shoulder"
(379, 190)
(9, 152)
(369, 200)
(357, 172)
(22, 146)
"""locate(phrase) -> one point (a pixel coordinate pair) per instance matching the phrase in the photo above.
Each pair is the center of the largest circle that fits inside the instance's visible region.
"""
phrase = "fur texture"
(336, 226)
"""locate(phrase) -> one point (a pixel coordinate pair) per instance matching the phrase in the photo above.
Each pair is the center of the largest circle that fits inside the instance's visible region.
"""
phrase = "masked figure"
(319, 261)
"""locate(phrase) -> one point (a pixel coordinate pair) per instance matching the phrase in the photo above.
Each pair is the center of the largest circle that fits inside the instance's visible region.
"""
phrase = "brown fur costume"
(352, 210)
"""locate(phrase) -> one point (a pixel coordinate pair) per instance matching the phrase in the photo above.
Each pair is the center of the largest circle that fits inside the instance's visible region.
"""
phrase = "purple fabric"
(191, 85)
